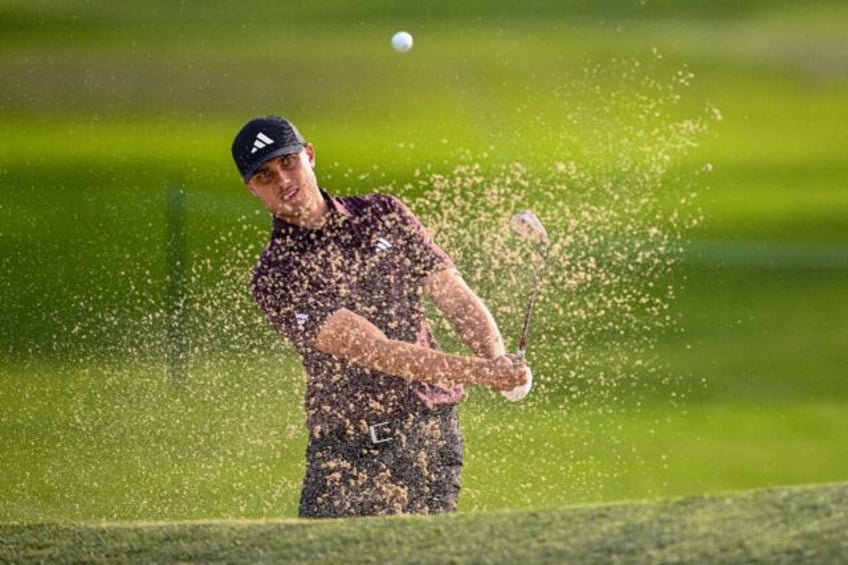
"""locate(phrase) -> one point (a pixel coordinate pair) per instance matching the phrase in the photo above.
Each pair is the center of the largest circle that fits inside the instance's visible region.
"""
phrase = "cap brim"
(287, 150)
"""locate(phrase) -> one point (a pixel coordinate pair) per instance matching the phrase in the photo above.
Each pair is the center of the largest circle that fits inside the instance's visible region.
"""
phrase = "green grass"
(764, 334)
(764, 526)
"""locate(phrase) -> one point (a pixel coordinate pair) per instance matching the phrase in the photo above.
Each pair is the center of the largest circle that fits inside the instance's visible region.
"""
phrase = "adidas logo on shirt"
(260, 142)
(301, 318)
(382, 244)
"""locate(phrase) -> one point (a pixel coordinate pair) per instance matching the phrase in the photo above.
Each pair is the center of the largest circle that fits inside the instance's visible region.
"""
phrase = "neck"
(312, 222)
(312, 219)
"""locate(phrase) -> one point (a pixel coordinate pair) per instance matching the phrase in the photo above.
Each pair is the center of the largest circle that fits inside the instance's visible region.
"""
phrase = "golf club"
(528, 226)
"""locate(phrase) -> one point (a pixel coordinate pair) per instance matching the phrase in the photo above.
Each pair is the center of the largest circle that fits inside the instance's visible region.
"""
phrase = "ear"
(310, 152)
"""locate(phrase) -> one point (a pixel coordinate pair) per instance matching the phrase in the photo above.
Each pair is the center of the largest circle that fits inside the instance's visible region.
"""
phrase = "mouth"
(290, 195)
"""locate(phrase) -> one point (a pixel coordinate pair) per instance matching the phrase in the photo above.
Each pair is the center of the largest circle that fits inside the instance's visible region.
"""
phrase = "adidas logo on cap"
(261, 142)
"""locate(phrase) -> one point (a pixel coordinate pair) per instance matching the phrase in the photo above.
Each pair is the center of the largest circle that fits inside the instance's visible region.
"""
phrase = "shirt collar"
(336, 211)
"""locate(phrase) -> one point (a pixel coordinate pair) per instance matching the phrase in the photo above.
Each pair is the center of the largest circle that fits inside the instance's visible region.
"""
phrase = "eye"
(289, 161)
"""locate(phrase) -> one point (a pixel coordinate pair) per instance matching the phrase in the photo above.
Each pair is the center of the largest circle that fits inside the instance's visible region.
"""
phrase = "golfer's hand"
(511, 372)
(515, 360)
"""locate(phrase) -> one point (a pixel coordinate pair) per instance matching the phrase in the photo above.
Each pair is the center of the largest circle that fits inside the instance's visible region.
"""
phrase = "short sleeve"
(294, 312)
(426, 256)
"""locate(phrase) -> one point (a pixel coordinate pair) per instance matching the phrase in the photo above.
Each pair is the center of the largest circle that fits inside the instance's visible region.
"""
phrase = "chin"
(283, 214)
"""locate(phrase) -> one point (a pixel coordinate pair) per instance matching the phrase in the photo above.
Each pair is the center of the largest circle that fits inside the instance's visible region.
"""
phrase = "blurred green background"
(108, 106)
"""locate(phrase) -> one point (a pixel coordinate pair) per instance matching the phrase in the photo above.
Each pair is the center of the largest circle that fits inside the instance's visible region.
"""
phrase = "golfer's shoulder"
(276, 257)
(264, 269)
(371, 203)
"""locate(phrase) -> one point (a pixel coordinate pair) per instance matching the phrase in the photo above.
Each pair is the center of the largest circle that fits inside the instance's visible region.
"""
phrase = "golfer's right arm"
(351, 337)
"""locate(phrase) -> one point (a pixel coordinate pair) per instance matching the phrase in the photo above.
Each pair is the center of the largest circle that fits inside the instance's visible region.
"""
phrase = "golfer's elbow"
(348, 335)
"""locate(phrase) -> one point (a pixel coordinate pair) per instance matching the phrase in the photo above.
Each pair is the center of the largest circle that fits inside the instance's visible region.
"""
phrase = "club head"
(528, 226)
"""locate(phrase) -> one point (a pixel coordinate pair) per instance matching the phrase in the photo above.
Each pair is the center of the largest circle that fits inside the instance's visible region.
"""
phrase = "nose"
(280, 175)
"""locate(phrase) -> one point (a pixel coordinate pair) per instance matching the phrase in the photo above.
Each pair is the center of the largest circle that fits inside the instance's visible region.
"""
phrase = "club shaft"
(531, 303)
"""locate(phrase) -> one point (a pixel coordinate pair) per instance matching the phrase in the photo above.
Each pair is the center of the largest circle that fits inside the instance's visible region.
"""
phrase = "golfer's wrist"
(492, 350)
(509, 359)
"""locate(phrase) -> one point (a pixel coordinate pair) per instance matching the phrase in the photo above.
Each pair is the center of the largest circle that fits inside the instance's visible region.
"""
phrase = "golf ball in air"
(402, 41)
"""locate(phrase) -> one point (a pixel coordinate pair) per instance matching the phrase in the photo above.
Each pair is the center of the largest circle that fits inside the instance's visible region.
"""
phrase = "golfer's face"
(287, 186)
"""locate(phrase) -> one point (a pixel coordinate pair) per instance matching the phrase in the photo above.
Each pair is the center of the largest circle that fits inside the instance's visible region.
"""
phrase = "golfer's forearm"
(351, 337)
(469, 316)
(478, 330)
(417, 363)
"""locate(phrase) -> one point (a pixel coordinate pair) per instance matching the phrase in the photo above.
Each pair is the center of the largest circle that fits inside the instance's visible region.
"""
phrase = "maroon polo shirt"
(372, 257)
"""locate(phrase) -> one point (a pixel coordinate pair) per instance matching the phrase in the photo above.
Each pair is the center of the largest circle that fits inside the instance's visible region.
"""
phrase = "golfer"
(342, 280)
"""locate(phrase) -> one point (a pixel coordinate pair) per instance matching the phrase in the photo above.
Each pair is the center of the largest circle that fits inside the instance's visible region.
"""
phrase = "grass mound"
(798, 524)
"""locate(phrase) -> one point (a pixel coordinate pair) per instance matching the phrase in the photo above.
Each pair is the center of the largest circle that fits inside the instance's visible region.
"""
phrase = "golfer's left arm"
(471, 319)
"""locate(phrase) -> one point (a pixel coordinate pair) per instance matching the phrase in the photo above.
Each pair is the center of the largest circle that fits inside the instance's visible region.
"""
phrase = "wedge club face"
(528, 226)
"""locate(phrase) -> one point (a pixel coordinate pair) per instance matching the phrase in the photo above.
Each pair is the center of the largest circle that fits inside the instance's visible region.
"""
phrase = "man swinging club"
(342, 280)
